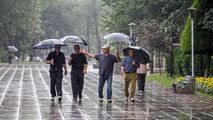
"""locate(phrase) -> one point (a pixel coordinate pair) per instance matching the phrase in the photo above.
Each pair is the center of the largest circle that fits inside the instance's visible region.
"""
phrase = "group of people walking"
(131, 69)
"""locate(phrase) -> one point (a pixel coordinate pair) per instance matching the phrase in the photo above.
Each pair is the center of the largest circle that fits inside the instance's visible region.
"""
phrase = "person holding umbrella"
(79, 67)
(56, 59)
(129, 67)
(141, 71)
(106, 64)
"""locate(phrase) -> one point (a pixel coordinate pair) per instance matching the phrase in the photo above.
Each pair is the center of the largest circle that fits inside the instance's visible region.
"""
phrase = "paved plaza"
(24, 95)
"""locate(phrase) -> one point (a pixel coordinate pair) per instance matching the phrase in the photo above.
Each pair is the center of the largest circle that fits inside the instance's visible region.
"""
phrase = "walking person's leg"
(74, 85)
(81, 84)
(143, 77)
(52, 84)
(59, 78)
(133, 86)
(109, 88)
(139, 82)
(126, 85)
(100, 87)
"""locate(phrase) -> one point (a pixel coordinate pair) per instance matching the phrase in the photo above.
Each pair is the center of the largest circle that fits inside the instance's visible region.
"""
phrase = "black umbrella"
(141, 55)
(12, 49)
(49, 43)
(73, 39)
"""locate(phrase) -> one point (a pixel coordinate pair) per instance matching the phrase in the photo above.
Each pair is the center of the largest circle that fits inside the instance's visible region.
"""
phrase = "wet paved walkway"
(24, 95)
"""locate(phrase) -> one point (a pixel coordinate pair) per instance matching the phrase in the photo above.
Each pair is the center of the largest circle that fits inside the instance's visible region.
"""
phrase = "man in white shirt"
(142, 71)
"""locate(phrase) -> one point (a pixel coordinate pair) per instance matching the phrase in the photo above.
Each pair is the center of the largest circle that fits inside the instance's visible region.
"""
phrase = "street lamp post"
(107, 30)
(131, 29)
(191, 9)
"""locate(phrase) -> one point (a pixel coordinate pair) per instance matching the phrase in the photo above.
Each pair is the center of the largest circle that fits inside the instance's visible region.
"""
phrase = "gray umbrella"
(73, 39)
(141, 55)
(12, 49)
(49, 43)
(118, 37)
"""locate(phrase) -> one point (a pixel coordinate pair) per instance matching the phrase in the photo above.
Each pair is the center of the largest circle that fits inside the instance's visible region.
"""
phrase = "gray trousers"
(56, 82)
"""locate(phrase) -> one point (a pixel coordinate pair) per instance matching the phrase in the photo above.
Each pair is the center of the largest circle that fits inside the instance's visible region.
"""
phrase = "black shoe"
(59, 98)
(52, 98)
(100, 99)
(80, 96)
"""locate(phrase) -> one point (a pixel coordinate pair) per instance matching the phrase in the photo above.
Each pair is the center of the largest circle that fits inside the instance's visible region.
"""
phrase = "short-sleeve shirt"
(106, 63)
(127, 64)
(78, 62)
(59, 59)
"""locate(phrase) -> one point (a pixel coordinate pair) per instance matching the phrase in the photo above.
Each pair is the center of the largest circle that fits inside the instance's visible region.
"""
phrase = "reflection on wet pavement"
(24, 95)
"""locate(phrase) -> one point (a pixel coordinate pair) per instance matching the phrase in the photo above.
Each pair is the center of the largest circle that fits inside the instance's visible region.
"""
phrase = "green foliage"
(160, 79)
(186, 37)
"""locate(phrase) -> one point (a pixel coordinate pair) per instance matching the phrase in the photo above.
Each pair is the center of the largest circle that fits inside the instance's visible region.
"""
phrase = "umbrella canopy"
(12, 49)
(73, 39)
(141, 55)
(49, 43)
(118, 37)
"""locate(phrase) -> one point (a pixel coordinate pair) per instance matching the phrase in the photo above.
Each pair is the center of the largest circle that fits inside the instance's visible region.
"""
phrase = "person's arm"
(65, 69)
(118, 56)
(70, 61)
(85, 64)
(122, 67)
(85, 68)
(88, 54)
(49, 59)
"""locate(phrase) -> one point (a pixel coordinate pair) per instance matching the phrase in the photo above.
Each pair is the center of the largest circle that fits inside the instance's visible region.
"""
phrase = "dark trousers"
(77, 82)
(141, 81)
(56, 82)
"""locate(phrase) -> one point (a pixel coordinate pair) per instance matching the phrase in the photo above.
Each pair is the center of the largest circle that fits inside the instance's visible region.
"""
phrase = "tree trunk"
(208, 65)
(159, 58)
(152, 62)
(98, 44)
(201, 65)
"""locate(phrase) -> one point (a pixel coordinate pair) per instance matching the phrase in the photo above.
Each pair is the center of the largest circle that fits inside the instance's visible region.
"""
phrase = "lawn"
(160, 79)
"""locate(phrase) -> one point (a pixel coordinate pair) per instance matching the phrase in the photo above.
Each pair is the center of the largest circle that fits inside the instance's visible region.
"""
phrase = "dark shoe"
(109, 101)
(52, 98)
(59, 98)
(74, 99)
(80, 96)
(100, 99)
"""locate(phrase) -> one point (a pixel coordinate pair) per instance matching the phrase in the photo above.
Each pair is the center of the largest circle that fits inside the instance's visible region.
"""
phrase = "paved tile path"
(24, 95)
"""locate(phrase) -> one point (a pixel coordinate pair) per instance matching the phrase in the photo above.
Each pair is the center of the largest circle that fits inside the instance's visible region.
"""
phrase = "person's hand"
(65, 72)
(117, 53)
(84, 71)
(122, 73)
(52, 62)
(133, 63)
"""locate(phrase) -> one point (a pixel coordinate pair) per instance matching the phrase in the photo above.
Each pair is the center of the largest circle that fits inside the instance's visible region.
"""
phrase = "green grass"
(160, 79)
(167, 82)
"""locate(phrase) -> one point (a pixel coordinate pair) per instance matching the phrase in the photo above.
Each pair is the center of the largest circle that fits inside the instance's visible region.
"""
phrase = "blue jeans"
(102, 79)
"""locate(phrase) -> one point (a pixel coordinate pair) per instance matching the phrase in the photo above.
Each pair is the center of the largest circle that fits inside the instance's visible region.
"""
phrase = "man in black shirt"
(56, 59)
(79, 66)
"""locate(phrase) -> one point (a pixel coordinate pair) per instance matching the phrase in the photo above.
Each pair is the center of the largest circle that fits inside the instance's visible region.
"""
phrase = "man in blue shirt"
(106, 63)
(129, 67)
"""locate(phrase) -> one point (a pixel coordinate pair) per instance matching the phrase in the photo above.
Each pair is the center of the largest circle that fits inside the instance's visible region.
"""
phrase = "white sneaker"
(109, 101)
(132, 99)
(126, 99)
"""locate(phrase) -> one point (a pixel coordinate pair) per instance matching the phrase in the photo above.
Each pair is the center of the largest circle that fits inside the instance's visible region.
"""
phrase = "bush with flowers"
(202, 83)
